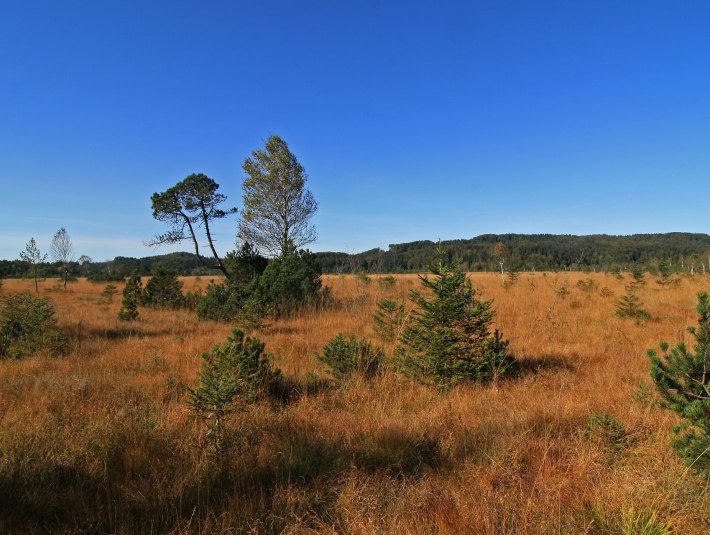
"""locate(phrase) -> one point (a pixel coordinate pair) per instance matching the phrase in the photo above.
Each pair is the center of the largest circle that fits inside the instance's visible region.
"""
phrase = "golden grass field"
(101, 440)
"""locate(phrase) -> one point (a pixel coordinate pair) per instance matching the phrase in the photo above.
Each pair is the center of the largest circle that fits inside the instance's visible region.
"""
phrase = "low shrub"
(163, 290)
(233, 375)
(346, 355)
(28, 325)
(221, 302)
(131, 297)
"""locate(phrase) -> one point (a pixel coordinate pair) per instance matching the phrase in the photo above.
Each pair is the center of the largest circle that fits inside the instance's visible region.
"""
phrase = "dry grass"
(100, 441)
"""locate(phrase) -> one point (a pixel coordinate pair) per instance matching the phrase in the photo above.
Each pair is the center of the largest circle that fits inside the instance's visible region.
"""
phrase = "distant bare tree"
(62, 251)
(500, 253)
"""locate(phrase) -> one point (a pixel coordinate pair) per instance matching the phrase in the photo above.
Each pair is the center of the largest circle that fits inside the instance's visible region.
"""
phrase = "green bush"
(387, 282)
(105, 276)
(131, 297)
(221, 302)
(245, 265)
(235, 300)
(233, 375)
(163, 290)
(683, 380)
(604, 427)
(288, 283)
(447, 339)
(345, 355)
(28, 325)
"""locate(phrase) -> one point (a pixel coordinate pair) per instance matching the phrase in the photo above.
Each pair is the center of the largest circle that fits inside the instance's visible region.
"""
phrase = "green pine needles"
(163, 290)
(131, 297)
(682, 378)
(28, 326)
(447, 339)
(630, 305)
(233, 376)
(346, 355)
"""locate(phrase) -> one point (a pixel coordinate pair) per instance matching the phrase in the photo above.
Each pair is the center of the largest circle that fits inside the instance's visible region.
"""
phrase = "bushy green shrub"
(345, 355)
(28, 325)
(163, 290)
(639, 276)
(245, 265)
(387, 282)
(683, 380)
(285, 285)
(131, 297)
(233, 375)
(603, 427)
(288, 283)
(447, 339)
(221, 302)
(235, 300)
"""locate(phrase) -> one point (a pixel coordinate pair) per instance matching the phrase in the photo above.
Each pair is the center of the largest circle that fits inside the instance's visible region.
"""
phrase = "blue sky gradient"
(414, 120)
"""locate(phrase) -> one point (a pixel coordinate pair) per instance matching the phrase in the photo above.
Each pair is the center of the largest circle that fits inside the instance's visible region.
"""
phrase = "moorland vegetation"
(271, 398)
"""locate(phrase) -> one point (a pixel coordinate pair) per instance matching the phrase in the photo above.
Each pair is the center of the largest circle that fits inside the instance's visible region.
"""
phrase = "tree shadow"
(288, 390)
(536, 364)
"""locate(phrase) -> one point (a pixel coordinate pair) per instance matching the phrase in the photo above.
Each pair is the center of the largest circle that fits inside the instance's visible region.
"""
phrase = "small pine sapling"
(639, 276)
(630, 305)
(108, 292)
(163, 290)
(28, 326)
(233, 376)
(512, 277)
(683, 381)
(131, 298)
(447, 339)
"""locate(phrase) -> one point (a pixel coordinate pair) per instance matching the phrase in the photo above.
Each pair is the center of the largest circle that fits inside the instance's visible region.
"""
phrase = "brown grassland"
(101, 440)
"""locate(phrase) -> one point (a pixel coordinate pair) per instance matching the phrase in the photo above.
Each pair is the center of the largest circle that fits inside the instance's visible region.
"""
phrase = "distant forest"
(519, 252)
(534, 252)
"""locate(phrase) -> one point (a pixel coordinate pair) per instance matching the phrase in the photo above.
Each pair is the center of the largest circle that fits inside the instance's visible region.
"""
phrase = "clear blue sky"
(414, 120)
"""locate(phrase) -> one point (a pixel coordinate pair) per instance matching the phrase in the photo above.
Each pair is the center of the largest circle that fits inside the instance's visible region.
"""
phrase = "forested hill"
(523, 252)
(534, 252)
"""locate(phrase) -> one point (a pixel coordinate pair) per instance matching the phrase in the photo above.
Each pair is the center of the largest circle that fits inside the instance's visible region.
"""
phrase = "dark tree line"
(539, 252)
(535, 252)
